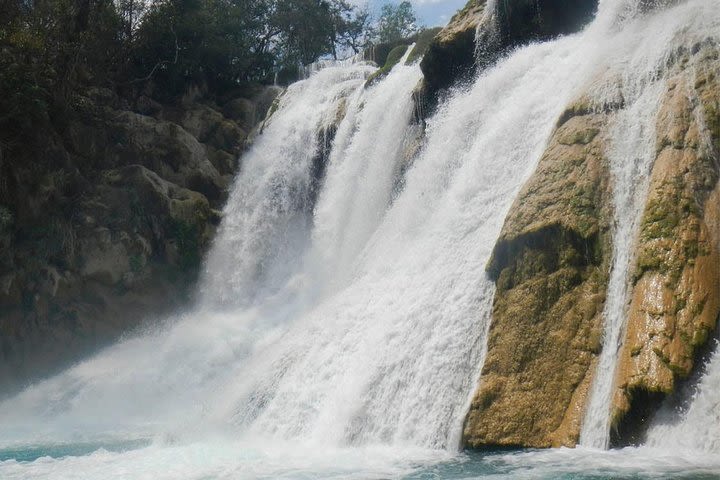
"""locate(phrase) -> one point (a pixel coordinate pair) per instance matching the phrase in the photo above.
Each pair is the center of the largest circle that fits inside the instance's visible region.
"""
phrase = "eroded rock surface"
(676, 296)
(550, 265)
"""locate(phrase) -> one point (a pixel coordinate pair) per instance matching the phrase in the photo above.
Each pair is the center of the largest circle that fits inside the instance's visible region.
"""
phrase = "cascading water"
(341, 333)
(631, 151)
(631, 155)
(268, 217)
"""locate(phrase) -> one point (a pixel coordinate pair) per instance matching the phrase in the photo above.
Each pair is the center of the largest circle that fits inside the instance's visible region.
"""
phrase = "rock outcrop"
(106, 220)
(676, 296)
(451, 54)
(550, 266)
(551, 270)
(476, 37)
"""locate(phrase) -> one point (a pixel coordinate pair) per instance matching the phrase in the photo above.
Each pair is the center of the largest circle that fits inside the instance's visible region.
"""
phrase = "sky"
(430, 13)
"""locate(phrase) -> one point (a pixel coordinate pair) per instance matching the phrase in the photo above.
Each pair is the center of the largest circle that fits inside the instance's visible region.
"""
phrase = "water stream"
(342, 318)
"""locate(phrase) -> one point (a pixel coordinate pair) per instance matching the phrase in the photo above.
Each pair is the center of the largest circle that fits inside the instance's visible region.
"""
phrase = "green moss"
(661, 219)
(6, 218)
(680, 303)
(188, 240)
(700, 337)
(712, 121)
(579, 137)
(422, 42)
(393, 58)
(274, 106)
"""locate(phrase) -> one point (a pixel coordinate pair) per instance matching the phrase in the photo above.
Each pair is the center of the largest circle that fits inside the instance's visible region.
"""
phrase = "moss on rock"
(675, 300)
(393, 58)
(550, 266)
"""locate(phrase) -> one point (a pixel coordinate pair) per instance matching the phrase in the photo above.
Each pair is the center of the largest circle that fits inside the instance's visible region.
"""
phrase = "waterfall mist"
(344, 306)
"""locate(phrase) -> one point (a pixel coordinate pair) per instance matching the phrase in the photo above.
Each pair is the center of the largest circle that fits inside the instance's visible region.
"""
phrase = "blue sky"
(430, 13)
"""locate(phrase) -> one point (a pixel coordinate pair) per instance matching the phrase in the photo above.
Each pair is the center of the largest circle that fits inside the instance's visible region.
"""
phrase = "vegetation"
(396, 22)
(51, 49)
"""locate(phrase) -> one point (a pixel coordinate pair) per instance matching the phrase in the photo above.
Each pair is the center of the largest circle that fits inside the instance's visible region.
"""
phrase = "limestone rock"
(550, 265)
(451, 54)
(676, 297)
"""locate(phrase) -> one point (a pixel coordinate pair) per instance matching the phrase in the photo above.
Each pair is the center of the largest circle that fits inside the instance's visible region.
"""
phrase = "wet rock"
(675, 300)
(476, 37)
(550, 266)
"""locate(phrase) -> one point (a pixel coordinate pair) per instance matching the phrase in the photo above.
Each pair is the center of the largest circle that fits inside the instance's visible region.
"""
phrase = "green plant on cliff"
(393, 59)
(188, 241)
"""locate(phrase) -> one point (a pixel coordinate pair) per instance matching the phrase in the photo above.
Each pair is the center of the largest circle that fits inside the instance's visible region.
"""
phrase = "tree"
(305, 28)
(396, 22)
(352, 27)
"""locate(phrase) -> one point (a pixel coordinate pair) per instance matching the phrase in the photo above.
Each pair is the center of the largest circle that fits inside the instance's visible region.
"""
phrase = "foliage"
(396, 22)
(51, 50)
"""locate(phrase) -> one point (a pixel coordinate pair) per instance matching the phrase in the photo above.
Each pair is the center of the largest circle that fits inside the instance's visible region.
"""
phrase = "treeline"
(49, 48)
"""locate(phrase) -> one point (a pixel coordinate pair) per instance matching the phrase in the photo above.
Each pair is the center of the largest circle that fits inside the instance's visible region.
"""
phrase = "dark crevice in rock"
(550, 241)
(524, 21)
(632, 428)
(318, 167)
(648, 408)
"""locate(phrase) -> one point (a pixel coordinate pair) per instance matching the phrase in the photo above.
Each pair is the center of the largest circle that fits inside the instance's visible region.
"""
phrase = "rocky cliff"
(105, 218)
(676, 287)
(479, 34)
(551, 266)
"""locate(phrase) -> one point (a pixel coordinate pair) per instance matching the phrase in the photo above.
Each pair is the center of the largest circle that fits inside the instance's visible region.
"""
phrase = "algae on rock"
(676, 297)
(550, 265)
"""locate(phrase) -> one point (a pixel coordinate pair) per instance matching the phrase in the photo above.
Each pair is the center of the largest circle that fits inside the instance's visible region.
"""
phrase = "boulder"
(550, 266)
(675, 300)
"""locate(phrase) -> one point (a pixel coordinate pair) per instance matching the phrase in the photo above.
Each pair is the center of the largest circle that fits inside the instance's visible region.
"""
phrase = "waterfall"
(631, 151)
(344, 303)
(631, 155)
(391, 351)
(697, 428)
(358, 318)
(268, 216)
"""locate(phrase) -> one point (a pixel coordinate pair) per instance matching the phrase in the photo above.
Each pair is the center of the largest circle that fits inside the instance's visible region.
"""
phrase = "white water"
(346, 340)
(631, 154)
(631, 151)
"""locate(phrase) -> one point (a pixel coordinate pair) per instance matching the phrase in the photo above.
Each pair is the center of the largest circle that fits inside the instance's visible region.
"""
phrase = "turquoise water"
(221, 460)
(30, 453)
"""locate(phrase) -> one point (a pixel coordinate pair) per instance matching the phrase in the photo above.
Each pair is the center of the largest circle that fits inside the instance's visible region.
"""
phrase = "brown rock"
(550, 265)
(676, 297)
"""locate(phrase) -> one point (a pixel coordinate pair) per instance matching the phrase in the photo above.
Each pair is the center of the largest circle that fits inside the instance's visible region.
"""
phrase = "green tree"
(396, 22)
(352, 27)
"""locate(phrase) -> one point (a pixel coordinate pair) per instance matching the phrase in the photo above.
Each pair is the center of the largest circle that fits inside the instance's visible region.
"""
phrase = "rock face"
(525, 20)
(476, 37)
(551, 270)
(451, 54)
(676, 297)
(550, 266)
(106, 221)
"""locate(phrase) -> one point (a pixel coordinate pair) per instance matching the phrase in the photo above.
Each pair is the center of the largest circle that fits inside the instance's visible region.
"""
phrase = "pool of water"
(221, 459)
